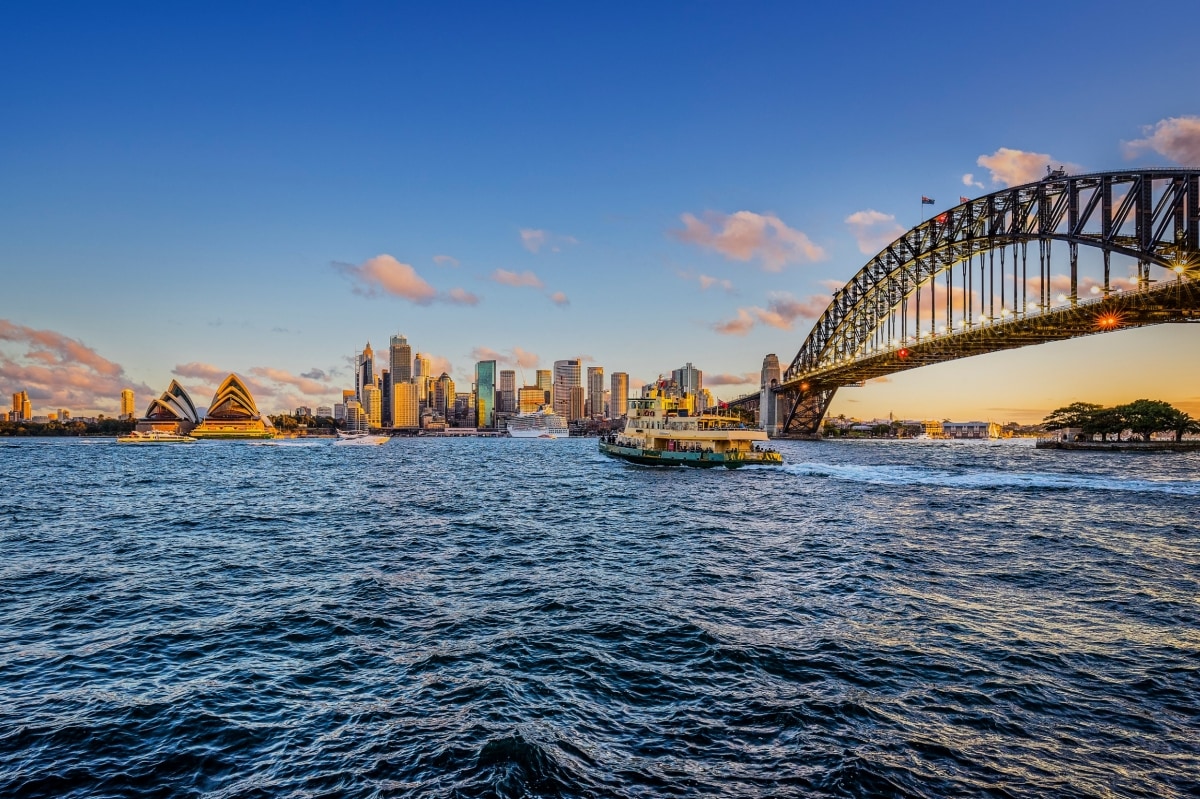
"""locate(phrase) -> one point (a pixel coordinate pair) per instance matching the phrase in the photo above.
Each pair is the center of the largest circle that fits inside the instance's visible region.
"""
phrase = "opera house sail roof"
(172, 411)
(233, 414)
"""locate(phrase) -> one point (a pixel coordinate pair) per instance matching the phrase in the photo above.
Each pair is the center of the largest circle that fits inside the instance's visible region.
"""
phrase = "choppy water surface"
(524, 618)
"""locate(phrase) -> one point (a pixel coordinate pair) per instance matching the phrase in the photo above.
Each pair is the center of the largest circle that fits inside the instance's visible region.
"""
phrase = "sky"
(188, 190)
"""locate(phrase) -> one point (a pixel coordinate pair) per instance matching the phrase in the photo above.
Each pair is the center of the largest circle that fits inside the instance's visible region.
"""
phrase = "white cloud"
(746, 235)
(445, 260)
(507, 278)
(873, 230)
(781, 312)
(384, 275)
(969, 180)
(1013, 167)
(1178, 138)
(560, 299)
(532, 239)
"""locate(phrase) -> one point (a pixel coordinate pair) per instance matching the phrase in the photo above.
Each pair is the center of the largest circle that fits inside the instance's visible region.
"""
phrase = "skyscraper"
(424, 378)
(406, 406)
(618, 401)
(401, 359)
(22, 410)
(485, 394)
(364, 371)
(506, 396)
(545, 381)
(689, 379)
(576, 408)
(385, 387)
(372, 404)
(566, 377)
(595, 391)
(443, 396)
(127, 404)
(530, 399)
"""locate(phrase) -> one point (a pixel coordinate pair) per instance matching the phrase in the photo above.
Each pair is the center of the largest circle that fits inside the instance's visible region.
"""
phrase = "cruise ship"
(544, 423)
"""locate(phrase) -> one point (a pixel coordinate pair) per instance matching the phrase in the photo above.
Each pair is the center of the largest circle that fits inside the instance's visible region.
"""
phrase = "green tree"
(1104, 422)
(1182, 424)
(1144, 417)
(1076, 414)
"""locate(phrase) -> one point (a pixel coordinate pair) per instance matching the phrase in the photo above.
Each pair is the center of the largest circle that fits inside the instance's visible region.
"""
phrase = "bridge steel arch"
(876, 324)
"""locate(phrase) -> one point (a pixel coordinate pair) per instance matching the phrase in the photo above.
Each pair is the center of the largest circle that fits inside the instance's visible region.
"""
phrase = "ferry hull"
(697, 460)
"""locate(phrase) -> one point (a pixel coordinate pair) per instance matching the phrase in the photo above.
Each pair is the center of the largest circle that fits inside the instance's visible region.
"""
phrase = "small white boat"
(360, 440)
(155, 437)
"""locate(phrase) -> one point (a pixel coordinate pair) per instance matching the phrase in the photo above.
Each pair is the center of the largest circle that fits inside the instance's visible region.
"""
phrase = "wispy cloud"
(708, 282)
(535, 239)
(383, 275)
(1013, 167)
(781, 312)
(518, 279)
(513, 357)
(560, 299)
(305, 385)
(746, 235)
(1178, 138)
(58, 371)
(731, 380)
(969, 180)
(445, 260)
(873, 230)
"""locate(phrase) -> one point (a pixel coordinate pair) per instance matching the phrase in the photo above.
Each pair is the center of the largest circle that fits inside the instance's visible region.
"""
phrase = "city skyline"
(232, 199)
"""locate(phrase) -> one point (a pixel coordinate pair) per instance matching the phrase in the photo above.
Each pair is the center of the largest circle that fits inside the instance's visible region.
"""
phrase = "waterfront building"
(971, 429)
(372, 405)
(324, 411)
(595, 391)
(506, 394)
(485, 394)
(424, 378)
(172, 412)
(364, 371)
(339, 412)
(576, 407)
(567, 374)
(385, 393)
(704, 400)
(64, 415)
(401, 364)
(464, 409)
(530, 399)
(545, 381)
(127, 404)
(618, 402)
(233, 414)
(768, 403)
(406, 405)
(302, 411)
(689, 379)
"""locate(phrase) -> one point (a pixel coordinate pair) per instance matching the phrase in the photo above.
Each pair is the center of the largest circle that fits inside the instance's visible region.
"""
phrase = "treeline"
(73, 427)
(1141, 417)
(287, 423)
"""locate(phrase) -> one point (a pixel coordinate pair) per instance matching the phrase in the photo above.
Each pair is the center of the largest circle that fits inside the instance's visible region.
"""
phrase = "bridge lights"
(1108, 321)
(902, 353)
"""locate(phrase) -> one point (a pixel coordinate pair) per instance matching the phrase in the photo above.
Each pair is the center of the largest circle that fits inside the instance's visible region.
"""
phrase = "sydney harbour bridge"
(1067, 256)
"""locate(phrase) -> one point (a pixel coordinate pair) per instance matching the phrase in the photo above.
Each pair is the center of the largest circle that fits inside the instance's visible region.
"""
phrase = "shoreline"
(1121, 446)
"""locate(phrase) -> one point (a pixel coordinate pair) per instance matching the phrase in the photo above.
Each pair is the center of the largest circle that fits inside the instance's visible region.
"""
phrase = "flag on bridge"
(926, 200)
(963, 199)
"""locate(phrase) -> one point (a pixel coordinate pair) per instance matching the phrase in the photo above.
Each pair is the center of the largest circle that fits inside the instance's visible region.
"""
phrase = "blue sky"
(192, 190)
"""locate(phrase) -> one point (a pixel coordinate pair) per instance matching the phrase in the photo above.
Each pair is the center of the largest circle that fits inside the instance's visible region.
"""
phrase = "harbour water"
(491, 617)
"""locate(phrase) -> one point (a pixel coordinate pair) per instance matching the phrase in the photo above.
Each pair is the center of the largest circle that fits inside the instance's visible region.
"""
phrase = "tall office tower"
(576, 408)
(595, 391)
(127, 403)
(372, 403)
(506, 394)
(704, 400)
(768, 404)
(443, 396)
(401, 359)
(485, 394)
(356, 418)
(530, 399)
(22, 410)
(618, 401)
(464, 408)
(406, 408)
(545, 381)
(339, 412)
(566, 377)
(689, 379)
(385, 388)
(364, 371)
(423, 377)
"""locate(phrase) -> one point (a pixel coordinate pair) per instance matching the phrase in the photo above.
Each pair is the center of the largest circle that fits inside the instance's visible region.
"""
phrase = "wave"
(901, 475)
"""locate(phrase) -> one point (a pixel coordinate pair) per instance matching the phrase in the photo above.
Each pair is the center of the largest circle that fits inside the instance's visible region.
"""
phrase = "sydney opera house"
(232, 413)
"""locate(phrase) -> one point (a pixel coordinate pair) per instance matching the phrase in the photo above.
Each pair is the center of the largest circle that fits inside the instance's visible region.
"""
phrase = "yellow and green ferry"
(663, 430)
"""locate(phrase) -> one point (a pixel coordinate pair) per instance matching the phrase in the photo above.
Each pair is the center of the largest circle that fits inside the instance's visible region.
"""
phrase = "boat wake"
(900, 475)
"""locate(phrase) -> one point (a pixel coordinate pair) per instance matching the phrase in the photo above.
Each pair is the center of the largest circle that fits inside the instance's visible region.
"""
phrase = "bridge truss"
(980, 278)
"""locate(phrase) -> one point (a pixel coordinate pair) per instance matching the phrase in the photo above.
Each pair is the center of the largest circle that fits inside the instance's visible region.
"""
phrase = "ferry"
(362, 439)
(155, 437)
(544, 423)
(663, 430)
